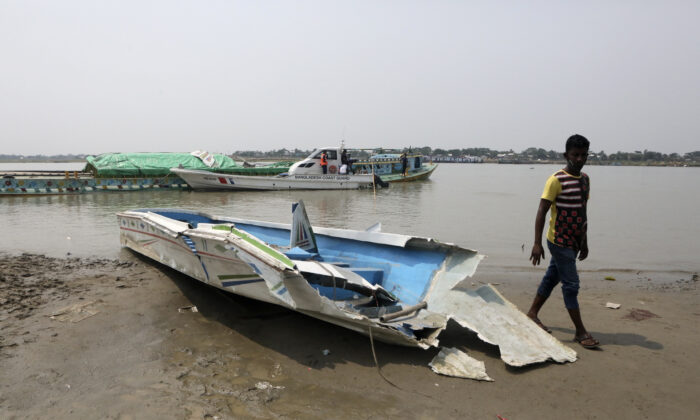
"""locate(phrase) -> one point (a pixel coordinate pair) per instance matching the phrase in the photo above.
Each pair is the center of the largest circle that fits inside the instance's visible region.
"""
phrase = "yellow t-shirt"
(568, 194)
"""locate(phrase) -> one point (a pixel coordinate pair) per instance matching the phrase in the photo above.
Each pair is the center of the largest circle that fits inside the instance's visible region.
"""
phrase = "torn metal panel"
(459, 265)
(452, 362)
(497, 321)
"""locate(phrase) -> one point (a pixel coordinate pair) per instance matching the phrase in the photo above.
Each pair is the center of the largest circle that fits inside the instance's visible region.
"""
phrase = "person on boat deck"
(566, 196)
(345, 160)
(324, 162)
(404, 164)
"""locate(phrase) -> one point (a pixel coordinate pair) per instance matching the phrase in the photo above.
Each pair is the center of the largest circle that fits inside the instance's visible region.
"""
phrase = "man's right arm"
(537, 249)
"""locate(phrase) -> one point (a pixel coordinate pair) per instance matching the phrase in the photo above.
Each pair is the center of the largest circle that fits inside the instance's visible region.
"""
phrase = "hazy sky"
(97, 76)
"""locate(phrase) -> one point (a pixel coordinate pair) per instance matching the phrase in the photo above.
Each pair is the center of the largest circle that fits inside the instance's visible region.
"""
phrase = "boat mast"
(342, 140)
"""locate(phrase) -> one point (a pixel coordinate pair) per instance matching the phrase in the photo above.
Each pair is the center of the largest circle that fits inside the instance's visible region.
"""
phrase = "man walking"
(566, 197)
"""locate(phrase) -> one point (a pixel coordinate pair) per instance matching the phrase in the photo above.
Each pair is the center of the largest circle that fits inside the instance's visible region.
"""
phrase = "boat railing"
(383, 160)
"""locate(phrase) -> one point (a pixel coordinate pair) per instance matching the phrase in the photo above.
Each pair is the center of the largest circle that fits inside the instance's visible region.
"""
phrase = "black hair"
(577, 141)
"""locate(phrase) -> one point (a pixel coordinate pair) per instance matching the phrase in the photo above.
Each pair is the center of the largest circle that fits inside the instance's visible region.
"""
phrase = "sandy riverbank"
(125, 351)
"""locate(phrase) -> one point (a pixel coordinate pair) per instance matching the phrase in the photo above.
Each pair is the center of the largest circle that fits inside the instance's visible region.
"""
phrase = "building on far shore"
(456, 159)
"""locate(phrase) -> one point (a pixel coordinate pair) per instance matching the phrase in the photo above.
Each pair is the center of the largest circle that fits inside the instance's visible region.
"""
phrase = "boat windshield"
(332, 154)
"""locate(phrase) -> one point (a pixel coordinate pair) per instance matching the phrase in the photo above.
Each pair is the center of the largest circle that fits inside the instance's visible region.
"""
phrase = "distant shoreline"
(516, 161)
(49, 160)
(520, 162)
(595, 163)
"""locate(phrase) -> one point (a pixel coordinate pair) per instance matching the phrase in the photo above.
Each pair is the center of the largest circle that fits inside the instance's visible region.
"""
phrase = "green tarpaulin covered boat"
(110, 165)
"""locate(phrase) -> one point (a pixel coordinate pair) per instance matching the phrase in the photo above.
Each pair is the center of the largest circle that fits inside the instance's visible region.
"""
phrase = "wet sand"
(118, 347)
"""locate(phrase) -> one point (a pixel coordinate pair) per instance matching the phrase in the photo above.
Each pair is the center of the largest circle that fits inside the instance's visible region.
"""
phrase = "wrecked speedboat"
(396, 288)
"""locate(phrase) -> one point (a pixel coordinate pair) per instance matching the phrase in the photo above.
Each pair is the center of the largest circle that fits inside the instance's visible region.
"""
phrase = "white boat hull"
(204, 180)
(222, 252)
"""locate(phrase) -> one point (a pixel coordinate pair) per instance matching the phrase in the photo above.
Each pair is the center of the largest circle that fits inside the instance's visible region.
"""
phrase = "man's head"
(578, 141)
(576, 153)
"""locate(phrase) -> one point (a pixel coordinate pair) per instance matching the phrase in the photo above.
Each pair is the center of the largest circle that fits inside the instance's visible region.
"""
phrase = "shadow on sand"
(303, 338)
(618, 339)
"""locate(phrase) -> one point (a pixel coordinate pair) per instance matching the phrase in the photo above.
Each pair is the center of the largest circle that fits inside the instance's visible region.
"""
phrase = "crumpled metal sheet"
(497, 321)
(453, 362)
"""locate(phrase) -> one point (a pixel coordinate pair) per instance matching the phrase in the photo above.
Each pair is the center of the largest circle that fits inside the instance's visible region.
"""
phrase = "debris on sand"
(452, 362)
(262, 392)
(612, 305)
(640, 314)
(75, 313)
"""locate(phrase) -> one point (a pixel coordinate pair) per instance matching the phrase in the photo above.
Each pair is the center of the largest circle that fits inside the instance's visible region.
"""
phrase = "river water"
(639, 217)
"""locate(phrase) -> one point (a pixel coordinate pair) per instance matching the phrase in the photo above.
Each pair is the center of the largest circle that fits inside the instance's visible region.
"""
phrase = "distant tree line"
(531, 154)
(40, 158)
(648, 155)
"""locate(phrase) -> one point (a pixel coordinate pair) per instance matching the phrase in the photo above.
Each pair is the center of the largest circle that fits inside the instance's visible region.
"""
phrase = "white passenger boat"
(306, 174)
(205, 180)
(396, 288)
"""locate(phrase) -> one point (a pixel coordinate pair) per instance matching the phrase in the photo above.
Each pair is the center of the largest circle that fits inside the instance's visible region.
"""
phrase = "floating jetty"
(71, 182)
(127, 172)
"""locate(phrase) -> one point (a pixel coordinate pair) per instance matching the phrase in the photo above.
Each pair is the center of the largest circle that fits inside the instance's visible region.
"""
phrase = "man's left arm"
(583, 253)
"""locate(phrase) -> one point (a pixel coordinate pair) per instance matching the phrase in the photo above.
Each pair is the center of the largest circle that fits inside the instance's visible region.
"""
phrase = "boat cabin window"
(332, 154)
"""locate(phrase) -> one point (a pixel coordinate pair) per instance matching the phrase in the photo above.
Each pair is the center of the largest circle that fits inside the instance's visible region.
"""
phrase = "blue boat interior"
(405, 272)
